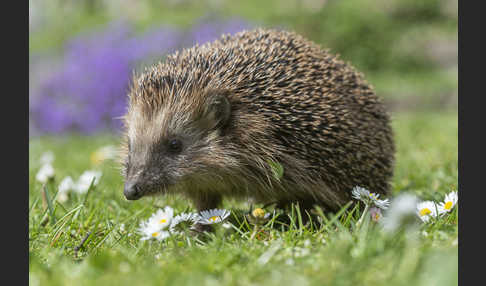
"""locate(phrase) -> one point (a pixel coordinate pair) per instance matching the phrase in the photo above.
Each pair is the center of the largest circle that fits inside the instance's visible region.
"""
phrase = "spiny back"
(319, 109)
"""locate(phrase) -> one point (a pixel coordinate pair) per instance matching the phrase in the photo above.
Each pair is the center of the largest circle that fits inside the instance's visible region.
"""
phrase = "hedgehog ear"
(217, 110)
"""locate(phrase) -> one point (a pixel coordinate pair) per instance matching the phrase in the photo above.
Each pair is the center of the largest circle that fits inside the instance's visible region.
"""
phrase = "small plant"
(277, 169)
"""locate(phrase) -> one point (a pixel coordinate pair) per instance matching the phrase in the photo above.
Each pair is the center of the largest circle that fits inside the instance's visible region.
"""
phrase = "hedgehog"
(212, 122)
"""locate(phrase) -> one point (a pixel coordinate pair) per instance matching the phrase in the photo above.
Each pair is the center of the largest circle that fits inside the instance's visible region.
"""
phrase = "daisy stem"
(173, 239)
(255, 231)
(360, 221)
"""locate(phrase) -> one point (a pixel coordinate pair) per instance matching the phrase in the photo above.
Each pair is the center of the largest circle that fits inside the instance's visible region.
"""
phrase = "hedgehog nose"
(132, 191)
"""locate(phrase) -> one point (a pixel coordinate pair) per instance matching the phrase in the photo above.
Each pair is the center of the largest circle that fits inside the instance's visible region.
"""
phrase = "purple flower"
(88, 92)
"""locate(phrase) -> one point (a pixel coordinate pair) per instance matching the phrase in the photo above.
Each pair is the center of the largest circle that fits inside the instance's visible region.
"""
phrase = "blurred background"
(82, 53)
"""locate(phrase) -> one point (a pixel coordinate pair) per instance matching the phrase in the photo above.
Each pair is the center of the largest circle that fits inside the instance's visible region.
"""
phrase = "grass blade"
(89, 190)
(49, 204)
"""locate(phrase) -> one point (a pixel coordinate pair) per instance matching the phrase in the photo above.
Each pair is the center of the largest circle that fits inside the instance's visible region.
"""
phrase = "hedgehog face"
(174, 144)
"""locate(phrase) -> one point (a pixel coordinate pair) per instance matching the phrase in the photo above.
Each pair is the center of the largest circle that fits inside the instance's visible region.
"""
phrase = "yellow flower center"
(425, 211)
(163, 220)
(155, 234)
(448, 205)
(213, 218)
(258, 213)
(96, 158)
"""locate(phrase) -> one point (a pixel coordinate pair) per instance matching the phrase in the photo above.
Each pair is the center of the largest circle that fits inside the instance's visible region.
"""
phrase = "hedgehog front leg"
(206, 202)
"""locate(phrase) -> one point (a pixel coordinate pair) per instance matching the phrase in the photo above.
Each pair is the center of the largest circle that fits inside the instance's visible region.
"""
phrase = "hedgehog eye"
(175, 146)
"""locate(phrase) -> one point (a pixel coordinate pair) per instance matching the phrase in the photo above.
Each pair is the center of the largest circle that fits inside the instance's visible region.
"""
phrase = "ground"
(336, 253)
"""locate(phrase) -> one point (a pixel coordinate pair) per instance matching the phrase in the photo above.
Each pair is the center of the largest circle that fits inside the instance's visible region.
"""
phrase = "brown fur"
(289, 101)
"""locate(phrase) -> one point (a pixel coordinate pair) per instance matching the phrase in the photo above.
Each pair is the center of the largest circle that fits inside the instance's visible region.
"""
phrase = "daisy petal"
(449, 202)
(426, 210)
(190, 218)
(213, 216)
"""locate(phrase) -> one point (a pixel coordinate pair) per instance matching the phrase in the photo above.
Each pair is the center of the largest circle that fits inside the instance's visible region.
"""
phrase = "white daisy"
(382, 204)
(449, 202)
(45, 173)
(213, 216)
(46, 158)
(84, 181)
(155, 226)
(150, 231)
(162, 218)
(401, 212)
(183, 222)
(426, 210)
(66, 185)
(368, 198)
(361, 194)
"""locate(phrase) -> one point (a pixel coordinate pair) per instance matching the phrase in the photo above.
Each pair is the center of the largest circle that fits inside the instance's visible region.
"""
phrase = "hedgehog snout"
(144, 181)
(132, 191)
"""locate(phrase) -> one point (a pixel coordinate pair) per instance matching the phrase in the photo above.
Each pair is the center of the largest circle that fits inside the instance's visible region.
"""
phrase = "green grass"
(336, 253)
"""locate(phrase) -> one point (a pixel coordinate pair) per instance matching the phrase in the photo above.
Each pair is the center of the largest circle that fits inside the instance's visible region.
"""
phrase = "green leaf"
(277, 169)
